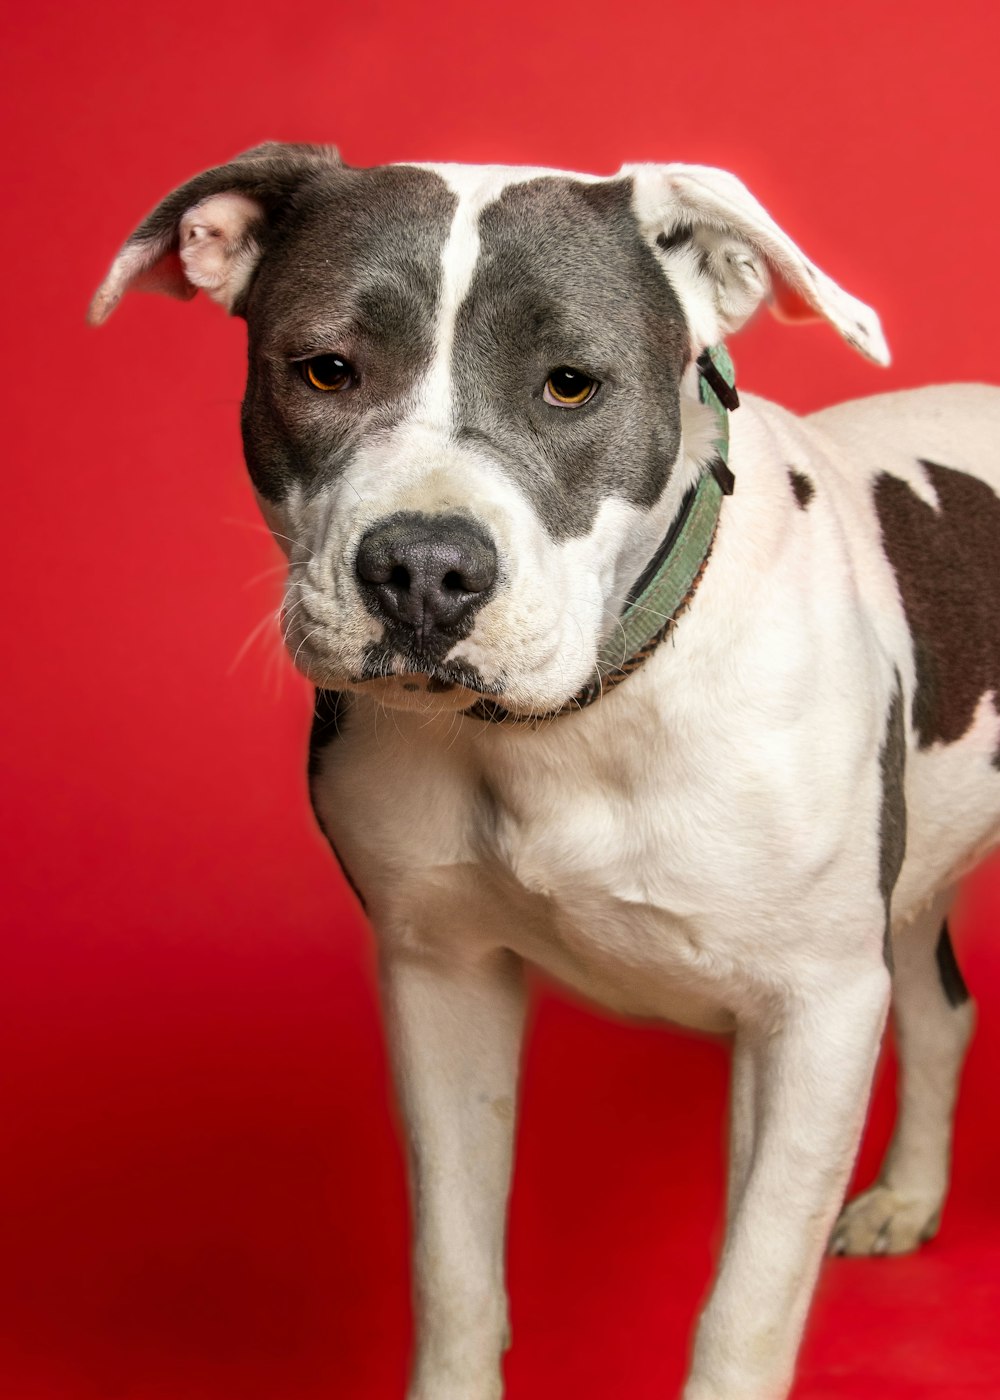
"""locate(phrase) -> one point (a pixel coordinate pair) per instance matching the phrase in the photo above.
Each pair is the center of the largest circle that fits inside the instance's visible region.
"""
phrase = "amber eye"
(331, 373)
(569, 388)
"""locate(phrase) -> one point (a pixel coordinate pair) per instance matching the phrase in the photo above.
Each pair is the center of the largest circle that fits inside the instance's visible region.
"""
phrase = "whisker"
(248, 643)
(303, 642)
(266, 573)
(261, 529)
(286, 613)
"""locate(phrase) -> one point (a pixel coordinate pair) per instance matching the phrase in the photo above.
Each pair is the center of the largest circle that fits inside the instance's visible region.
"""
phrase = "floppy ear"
(725, 255)
(210, 232)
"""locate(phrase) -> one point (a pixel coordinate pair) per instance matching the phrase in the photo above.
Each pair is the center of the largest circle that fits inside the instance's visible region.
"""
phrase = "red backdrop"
(201, 1181)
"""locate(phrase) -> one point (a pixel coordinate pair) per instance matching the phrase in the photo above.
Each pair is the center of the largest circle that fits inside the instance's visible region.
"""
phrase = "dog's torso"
(710, 830)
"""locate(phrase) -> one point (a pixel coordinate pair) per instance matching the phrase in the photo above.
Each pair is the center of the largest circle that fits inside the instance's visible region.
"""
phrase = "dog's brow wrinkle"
(311, 339)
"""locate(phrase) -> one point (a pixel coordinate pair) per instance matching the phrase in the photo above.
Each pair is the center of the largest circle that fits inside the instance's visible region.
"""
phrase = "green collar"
(668, 583)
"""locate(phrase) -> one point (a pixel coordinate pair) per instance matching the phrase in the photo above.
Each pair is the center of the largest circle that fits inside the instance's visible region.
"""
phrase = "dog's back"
(957, 424)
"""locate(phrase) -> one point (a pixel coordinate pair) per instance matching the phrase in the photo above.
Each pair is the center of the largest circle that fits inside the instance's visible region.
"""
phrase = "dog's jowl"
(695, 705)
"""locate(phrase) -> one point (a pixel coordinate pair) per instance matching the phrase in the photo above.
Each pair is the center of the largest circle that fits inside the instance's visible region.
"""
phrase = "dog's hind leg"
(934, 1018)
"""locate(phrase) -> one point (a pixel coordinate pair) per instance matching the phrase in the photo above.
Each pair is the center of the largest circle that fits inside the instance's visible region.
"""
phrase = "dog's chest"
(628, 874)
(660, 852)
(579, 875)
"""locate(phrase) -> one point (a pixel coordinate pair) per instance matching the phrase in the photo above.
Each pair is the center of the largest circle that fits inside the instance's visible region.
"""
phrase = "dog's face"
(470, 413)
(472, 496)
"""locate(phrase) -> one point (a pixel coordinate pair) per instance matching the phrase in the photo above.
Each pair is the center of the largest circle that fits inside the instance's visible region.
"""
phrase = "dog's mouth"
(407, 674)
(399, 674)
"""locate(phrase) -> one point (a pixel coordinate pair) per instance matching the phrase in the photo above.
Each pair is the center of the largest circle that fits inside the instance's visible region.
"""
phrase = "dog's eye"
(331, 373)
(568, 388)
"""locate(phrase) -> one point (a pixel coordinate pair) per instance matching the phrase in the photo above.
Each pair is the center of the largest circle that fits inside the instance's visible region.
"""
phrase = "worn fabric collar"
(668, 583)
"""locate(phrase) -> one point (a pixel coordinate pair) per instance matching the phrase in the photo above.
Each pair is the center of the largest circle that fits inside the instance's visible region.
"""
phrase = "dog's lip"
(417, 676)
(407, 672)
(436, 676)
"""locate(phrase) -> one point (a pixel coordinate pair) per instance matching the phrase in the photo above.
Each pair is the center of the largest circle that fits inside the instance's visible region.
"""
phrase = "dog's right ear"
(210, 232)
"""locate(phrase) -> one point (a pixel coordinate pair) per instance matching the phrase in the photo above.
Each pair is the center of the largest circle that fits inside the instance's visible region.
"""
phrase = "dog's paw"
(881, 1222)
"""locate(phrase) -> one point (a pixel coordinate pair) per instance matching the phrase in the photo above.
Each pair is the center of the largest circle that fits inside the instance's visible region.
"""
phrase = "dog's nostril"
(454, 582)
(399, 577)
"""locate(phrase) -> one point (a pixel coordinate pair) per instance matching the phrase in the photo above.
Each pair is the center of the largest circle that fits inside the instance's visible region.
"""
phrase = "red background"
(201, 1185)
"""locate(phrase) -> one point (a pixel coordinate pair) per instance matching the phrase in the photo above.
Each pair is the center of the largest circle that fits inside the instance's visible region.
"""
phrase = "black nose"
(427, 572)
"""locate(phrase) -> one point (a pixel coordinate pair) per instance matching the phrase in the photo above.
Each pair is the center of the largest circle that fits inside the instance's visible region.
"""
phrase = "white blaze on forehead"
(475, 186)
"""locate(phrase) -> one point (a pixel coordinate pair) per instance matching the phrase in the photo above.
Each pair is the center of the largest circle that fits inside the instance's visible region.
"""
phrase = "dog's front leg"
(455, 1033)
(811, 1079)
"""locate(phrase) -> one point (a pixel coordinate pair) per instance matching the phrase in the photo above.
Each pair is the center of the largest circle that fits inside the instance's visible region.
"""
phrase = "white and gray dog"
(488, 419)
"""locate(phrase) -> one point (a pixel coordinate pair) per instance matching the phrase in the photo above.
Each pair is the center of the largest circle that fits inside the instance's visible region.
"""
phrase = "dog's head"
(471, 410)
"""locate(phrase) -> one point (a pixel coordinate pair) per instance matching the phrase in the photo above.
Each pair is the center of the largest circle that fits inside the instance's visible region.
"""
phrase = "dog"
(693, 705)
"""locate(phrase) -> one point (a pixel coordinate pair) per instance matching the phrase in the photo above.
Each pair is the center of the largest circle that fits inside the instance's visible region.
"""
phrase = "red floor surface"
(201, 1184)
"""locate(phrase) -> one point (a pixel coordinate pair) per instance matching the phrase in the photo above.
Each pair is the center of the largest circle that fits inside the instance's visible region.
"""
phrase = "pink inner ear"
(788, 304)
(166, 276)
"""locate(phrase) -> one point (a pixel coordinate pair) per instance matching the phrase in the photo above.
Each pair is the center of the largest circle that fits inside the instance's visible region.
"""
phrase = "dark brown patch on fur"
(892, 817)
(802, 488)
(947, 565)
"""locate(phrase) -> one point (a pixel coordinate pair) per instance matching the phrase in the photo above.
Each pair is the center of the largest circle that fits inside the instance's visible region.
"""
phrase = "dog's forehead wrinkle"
(371, 311)
(384, 224)
(307, 335)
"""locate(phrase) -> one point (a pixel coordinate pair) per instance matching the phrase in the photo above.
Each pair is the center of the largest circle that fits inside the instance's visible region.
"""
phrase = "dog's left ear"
(210, 233)
(725, 255)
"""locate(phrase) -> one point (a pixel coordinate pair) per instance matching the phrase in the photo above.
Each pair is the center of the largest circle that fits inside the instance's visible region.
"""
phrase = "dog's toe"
(880, 1221)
